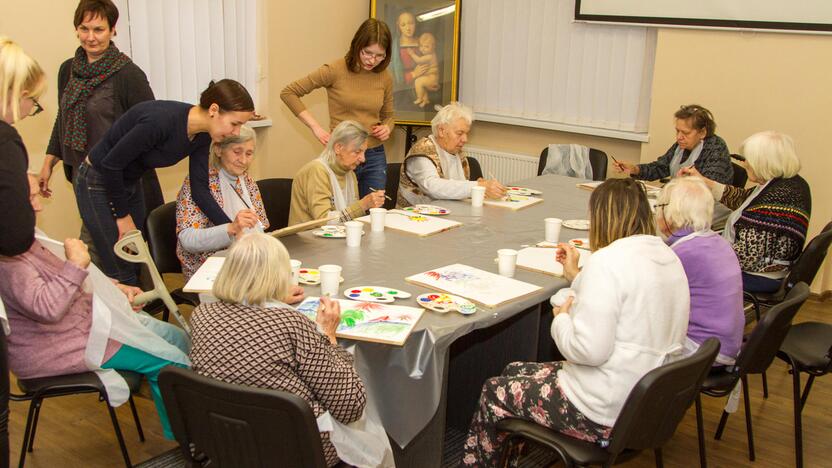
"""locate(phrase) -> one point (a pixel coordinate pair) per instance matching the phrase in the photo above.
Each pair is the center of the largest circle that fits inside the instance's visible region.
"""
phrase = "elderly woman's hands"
(328, 318)
(295, 295)
(372, 200)
(131, 292)
(625, 168)
(493, 188)
(568, 256)
(245, 219)
(77, 253)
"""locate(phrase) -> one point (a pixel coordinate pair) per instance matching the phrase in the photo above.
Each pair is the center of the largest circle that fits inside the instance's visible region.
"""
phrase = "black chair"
(36, 390)
(654, 408)
(474, 169)
(807, 348)
(277, 197)
(597, 159)
(4, 402)
(756, 355)
(740, 174)
(161, 231)
(391, 189)
(227, 425)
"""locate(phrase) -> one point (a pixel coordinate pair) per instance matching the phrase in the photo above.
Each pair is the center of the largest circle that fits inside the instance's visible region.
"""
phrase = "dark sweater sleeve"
(17, 225)
(134, 87)
(715, 161)
(55, 148)
(200, 191)
(657, 169)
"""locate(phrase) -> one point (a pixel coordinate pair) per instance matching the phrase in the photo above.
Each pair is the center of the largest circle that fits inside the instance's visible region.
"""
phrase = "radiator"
(506, 167)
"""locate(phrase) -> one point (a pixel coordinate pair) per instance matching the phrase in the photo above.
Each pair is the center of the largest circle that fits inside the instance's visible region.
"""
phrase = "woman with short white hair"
(768, 226)
(251, 338)
(327, 186)
(436, 169)
(683, 215)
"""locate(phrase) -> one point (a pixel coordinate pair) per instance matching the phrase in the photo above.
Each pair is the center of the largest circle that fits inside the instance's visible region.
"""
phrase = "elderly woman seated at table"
(327, 186)
(236, 193)
(50, 312)
(436, 169)
(251, 338)
(768, 225)
(627, 313)
(683, 215)
(696, 146)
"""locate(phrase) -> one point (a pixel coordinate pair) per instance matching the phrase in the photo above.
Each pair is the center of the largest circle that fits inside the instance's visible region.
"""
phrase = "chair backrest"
(277, 197)
(806, 266)
(161, 238)
(762, 345)
(597, 159)
(474, 169)
(4, 402)
(659, 401)
(237, 426)
(740, 175)
(391, 189)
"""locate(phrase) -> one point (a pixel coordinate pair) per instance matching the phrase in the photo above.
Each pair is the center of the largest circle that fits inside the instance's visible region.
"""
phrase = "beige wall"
(751, 81)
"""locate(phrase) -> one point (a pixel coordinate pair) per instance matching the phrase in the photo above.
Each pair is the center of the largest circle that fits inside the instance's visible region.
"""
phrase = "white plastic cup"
(354, 229)
(377, 218)
(330, 279)
(506, 261)
(295, 271)
(553, 226)
(477, 195)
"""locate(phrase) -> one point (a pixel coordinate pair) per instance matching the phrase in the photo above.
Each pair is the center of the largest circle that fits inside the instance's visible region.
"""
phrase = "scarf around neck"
(84, 78)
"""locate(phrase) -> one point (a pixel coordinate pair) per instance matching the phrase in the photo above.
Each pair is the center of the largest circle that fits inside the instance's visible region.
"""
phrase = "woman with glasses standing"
(359, 88)
(22, 82)
(95, 87)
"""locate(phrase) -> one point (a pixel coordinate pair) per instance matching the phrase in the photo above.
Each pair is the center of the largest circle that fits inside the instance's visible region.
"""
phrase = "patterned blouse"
(188, 215)
(278, 349)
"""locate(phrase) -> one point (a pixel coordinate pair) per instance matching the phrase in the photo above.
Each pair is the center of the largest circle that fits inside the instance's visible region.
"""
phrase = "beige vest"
(423, 148)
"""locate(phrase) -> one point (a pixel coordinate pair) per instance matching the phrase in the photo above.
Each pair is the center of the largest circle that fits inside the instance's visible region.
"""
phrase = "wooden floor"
(76, 431)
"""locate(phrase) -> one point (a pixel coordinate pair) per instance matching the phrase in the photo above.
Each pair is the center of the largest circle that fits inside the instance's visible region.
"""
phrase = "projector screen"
(793, 16)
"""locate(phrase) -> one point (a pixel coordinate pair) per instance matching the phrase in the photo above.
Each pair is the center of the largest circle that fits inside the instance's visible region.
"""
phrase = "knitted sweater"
(714, 162)
(365, 97)
(17, 225)
(277, 349)
(312, 196)
(771, 231)
(419, 190)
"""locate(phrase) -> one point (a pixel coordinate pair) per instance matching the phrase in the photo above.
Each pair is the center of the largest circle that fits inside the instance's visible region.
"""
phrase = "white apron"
(340, 198)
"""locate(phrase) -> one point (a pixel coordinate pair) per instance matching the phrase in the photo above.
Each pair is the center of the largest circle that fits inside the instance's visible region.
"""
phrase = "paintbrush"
(385, 195)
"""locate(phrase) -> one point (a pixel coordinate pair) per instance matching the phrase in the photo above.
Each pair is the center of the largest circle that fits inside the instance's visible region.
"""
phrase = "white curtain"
(184, 44)
(527, 62)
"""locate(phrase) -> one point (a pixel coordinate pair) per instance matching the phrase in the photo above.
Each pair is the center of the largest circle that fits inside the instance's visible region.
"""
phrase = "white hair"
(255, 271)
(770, 155)
(345, 133)
(450, 114)
(686, 202)
(246, 134)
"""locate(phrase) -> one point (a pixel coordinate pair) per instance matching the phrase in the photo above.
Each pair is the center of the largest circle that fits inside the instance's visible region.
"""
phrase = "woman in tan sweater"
(359, 88)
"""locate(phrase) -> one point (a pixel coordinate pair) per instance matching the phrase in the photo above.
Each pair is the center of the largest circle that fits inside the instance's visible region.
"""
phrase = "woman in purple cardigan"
(683, 214)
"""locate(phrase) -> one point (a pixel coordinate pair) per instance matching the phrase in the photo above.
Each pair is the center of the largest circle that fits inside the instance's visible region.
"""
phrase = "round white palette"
(577, 224)
(311, 276)
(442, 303)
(332, 232)
(432, 210)
(580, 242)
(522, 191)
(374, 294)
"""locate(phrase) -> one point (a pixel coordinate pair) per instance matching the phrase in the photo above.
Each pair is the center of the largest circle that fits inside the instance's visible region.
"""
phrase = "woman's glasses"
(36, 109)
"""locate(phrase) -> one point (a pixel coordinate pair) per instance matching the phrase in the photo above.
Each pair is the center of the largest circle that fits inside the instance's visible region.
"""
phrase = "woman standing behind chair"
(149, 135)
(95, 87)
(22, 82)
(629, 314)
(768, 225)
(251, 338)
(236, 193)
(359, 88)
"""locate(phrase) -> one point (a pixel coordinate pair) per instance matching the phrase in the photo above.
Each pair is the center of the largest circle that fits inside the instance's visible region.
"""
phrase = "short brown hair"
(370, 32)
(618, 208)
(699, 118)
(96, 8)
(229, 95)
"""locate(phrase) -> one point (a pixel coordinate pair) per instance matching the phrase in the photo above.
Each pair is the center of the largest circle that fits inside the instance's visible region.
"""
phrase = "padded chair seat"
(74, 383)
(719, 381)
(808, 343)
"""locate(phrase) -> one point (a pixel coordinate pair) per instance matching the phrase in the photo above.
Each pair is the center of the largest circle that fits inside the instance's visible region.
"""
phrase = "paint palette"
(522, 191)
(442, 303)
(580, 242)
(577, 224)
(432, 210)
(332, 232)
(311, 277)
(375, 294)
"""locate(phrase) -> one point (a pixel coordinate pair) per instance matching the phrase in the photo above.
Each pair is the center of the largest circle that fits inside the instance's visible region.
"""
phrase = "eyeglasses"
(369, 55)
(36, 109)
(661, 205)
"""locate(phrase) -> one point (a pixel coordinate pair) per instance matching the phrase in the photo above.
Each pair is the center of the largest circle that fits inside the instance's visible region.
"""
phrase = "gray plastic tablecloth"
(406, 382)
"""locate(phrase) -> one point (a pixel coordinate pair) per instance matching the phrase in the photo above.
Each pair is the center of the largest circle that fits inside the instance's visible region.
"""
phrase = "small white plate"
(332, 232)
(431, 210)
(580, 243)
(375, 294)
(577, 224)
(443, 303)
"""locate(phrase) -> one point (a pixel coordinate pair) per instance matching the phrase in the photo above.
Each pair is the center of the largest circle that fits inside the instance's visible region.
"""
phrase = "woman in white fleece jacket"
(629, 314)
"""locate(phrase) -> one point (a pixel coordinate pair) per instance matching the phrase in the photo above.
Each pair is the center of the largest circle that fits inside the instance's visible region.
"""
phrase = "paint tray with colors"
(375, 294)
(432, 210)
(442, 303)
(311, 276)
(525, 191)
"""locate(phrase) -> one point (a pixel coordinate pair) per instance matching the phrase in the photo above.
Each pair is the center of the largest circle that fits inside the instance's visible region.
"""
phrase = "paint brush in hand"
(385, 195)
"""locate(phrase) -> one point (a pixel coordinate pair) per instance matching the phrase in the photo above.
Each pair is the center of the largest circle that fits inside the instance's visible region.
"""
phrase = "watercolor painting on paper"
(369, 321)
(480, 286)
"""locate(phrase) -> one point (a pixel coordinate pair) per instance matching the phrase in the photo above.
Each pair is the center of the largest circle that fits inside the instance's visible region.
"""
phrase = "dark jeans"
(759, 284)
(373, 173)
(97, 215)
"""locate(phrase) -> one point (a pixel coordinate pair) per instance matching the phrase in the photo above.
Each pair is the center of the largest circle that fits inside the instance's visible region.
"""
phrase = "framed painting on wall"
(425, 62)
